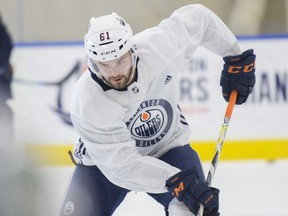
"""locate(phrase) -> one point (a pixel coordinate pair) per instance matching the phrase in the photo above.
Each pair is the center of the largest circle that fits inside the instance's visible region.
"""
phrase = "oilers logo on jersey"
(151, 122)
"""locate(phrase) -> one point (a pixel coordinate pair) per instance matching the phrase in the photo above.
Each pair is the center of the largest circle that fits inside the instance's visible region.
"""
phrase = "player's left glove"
(238, 73)
(188, 188)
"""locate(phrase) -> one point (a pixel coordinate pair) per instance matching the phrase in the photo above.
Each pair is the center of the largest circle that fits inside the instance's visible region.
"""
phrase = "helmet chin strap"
(133, 68)
(132, 75)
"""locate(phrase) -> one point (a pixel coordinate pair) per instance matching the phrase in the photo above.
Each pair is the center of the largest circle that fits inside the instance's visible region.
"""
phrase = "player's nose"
(115, 72)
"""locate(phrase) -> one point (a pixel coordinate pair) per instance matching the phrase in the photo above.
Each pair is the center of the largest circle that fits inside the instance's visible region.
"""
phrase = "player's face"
(119, 72)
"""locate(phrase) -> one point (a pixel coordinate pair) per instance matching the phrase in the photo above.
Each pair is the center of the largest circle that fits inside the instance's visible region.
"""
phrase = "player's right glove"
(238, 73)
(187, 187)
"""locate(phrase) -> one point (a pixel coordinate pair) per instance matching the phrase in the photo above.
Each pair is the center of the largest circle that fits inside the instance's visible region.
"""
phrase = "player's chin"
(119, 84)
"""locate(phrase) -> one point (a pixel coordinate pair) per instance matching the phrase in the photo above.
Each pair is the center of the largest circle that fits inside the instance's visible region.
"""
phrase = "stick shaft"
(220, 142)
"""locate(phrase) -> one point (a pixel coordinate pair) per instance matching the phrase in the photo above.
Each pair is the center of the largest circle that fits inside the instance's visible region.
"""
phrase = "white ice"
(248, 188)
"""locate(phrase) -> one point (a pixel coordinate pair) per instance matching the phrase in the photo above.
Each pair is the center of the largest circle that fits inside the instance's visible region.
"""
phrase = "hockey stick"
(220, 142)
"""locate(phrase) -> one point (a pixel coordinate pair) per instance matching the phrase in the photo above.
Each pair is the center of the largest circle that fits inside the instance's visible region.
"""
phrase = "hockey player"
(6, 74)
(132, 133)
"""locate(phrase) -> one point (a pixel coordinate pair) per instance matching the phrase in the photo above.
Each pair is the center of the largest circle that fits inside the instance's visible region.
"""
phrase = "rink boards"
(258, 129)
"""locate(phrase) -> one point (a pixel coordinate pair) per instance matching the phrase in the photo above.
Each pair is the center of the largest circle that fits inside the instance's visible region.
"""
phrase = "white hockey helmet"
(108, 38)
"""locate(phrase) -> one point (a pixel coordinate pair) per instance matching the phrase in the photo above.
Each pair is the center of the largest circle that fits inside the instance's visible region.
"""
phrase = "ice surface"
(248, 188)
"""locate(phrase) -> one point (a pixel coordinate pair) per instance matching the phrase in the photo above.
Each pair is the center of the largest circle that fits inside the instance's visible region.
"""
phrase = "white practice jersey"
(123, 132)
